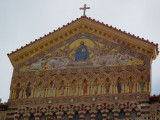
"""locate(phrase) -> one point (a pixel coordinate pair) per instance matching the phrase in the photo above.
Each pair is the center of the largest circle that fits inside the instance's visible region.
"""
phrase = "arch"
(21, 118)
(84, 90)
(76, 116)
(110, 115)
(65, 117)
(95, 87)
(31, 117)
(18, 90)
(99, 116)
(122, 114)
(133, 113)
(87, 116)
(61, 90)
(130, 84)
(43, 117)
(50, 90)
(73, 88)
(142, 83)
(119, 85)
(28, 90)
(39, 90)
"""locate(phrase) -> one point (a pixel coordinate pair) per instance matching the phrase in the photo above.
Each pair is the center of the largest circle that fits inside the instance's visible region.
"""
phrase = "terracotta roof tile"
(89, 18)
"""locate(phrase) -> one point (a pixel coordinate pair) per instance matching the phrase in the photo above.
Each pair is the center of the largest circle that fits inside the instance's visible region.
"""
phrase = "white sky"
(23, 21)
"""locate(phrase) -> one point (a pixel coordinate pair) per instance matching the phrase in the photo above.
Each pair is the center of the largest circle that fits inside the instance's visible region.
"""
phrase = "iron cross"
(84, 8)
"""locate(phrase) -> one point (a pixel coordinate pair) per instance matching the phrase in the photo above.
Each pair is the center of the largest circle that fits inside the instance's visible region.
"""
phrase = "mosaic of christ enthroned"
(82, 52)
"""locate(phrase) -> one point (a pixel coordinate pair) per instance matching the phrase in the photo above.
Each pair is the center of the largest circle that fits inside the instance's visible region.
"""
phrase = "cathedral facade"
(85, 70)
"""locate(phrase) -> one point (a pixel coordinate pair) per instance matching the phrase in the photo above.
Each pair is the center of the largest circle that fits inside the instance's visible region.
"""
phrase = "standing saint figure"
(130, 84)
(18, 92)
(50, 90)
(95, 88)
(119, 85)
(142, 84)
(39, 91)
(73, 89)
(61, 89)
(81, 53)
(28, 91)
(107, 85)
(84, 87)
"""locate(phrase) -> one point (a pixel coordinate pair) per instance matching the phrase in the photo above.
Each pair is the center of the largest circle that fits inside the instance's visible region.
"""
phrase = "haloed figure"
(81, 52)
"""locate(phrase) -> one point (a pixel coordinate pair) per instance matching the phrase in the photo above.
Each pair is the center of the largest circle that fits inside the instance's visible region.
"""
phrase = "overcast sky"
(23, 21)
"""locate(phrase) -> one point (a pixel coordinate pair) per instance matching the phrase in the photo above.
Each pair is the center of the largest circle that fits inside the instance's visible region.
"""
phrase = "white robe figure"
(39, 92)
(73, 89)
(50, 91)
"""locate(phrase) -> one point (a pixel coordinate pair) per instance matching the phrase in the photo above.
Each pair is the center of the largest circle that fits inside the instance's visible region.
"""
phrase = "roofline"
(89, 18)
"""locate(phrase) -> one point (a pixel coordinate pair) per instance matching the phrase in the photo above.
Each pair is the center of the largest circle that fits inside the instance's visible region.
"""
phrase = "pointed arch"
(110, 115)
(61, 89)
(65, 117)
(133, 113)
(76, 116)
(130, 84)
(122, 114)
(87, 116)
(32, 117)
(84, 88)
(119, 85)
(39, 90)
(99, 116)
(95, 87)
(49, 92)
(142, 83)
(73, 88)
(107, 85)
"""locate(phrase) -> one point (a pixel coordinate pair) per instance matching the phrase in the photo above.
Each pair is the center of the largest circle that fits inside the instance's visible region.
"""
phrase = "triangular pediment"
(82, 25)
(83, 50)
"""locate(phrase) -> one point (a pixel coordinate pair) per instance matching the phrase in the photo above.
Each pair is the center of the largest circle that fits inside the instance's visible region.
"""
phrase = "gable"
(83, 50)
(87, 25)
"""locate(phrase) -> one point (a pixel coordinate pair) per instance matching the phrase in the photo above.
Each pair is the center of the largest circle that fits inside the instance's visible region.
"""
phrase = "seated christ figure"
(81, 52)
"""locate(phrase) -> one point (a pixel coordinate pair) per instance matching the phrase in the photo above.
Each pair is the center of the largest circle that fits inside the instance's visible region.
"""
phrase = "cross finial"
(84, 8)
